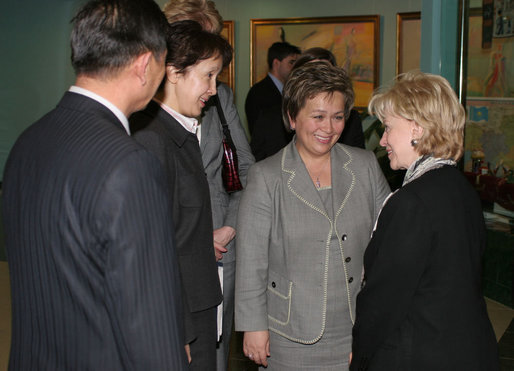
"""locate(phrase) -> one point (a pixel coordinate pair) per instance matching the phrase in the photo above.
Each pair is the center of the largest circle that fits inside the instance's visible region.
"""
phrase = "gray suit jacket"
(284, 234)
(224, 205)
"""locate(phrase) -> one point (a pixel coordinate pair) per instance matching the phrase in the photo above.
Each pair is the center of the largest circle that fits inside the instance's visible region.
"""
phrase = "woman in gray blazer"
(304, 221)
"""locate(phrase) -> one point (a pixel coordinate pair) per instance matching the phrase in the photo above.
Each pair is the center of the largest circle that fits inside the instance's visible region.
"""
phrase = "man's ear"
(275, 64)
(141, 65)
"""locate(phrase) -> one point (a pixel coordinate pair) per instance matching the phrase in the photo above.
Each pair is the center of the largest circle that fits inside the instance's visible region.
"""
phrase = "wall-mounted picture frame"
(488, 68)
(489, 100)
(408, 41)
(354, 40)
(227, 76)
(503, 18)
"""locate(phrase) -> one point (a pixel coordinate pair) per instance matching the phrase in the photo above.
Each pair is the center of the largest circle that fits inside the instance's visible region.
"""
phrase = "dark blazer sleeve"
(396, 257)
(192, 220)
(143, 289)
(150, 139)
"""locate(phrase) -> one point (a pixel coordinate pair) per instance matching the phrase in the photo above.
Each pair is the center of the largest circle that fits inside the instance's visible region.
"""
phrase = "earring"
(414, 142)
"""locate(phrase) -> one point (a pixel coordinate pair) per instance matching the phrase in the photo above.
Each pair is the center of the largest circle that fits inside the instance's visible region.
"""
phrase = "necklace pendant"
(318, 183)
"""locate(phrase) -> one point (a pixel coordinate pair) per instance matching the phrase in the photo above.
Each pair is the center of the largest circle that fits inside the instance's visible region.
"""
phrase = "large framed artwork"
(408, 41)
(489, 70)
(227, 75)
(489, 134)
(353, 40)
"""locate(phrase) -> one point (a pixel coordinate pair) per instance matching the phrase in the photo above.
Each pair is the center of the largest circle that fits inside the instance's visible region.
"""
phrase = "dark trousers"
(203, 348)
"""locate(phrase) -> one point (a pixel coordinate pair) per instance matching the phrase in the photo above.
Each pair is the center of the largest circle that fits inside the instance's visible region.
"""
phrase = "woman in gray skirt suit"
(304, 221)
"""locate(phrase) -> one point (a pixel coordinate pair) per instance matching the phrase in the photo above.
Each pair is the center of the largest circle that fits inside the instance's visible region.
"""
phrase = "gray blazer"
(284, 233)
(224, 205)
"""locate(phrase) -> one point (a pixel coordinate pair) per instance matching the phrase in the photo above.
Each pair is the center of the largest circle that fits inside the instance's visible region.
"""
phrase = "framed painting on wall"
(489, 131)
(408, 49)
(488, 69)
(227, 75)
(353, 40)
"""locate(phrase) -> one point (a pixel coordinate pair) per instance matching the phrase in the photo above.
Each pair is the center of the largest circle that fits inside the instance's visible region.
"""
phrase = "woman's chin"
(394, 165)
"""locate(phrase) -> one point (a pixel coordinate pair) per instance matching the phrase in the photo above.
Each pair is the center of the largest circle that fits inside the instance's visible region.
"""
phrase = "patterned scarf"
(423, 164)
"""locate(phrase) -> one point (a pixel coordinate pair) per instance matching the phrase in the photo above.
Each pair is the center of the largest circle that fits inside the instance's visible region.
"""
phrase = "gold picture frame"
(227, 76)
(354, 40)
(408, 49)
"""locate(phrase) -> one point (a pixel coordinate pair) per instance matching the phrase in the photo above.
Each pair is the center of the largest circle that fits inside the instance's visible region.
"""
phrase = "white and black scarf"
(423, 164)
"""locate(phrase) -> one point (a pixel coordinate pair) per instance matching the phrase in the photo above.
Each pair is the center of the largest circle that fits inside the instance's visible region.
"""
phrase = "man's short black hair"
(108, 34)
(281, 50)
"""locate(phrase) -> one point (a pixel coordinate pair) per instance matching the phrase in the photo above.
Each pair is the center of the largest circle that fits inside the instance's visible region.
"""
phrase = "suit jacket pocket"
(280, 291)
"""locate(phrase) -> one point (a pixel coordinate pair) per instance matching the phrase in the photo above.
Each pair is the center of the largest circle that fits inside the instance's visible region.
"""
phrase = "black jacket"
(262, 95)
(94, 281)
(179, 152)
(422, 307)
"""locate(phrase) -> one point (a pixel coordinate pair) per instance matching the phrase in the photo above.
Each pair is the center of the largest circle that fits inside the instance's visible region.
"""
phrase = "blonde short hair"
(429, 101)
(201, 11)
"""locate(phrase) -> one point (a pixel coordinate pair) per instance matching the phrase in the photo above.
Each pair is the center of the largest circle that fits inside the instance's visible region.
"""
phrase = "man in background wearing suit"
(263, 104)
(91, 255)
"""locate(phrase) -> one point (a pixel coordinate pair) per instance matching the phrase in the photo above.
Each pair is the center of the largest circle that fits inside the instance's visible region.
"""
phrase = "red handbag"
(230, 165)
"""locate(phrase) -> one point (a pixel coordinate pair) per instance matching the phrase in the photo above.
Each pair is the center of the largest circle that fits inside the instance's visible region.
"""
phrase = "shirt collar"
(189, 123)
(277, 82)
(115, 110)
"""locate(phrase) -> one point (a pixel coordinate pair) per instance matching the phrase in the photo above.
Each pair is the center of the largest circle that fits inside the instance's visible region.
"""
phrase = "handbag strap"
(224, 125)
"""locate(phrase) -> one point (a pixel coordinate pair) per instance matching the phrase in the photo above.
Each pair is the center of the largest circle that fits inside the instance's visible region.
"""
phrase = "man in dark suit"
(263, 104)
(87, 219)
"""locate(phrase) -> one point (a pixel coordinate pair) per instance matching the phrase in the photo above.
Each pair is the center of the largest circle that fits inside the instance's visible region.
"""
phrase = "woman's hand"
(222, 237)
(256, 346)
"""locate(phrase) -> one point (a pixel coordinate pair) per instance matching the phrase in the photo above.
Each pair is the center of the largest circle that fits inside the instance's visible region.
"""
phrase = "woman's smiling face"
(195, 86)
(319, 124)
(397, 138)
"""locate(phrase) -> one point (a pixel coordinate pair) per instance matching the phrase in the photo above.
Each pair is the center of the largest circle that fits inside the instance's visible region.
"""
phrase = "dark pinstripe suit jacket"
(91, 256)
(179, 152)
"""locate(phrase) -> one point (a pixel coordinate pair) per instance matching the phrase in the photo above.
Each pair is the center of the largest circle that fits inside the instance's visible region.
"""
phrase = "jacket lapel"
(343, 178)
(175, 131)
(208, 119)
(299, 182)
